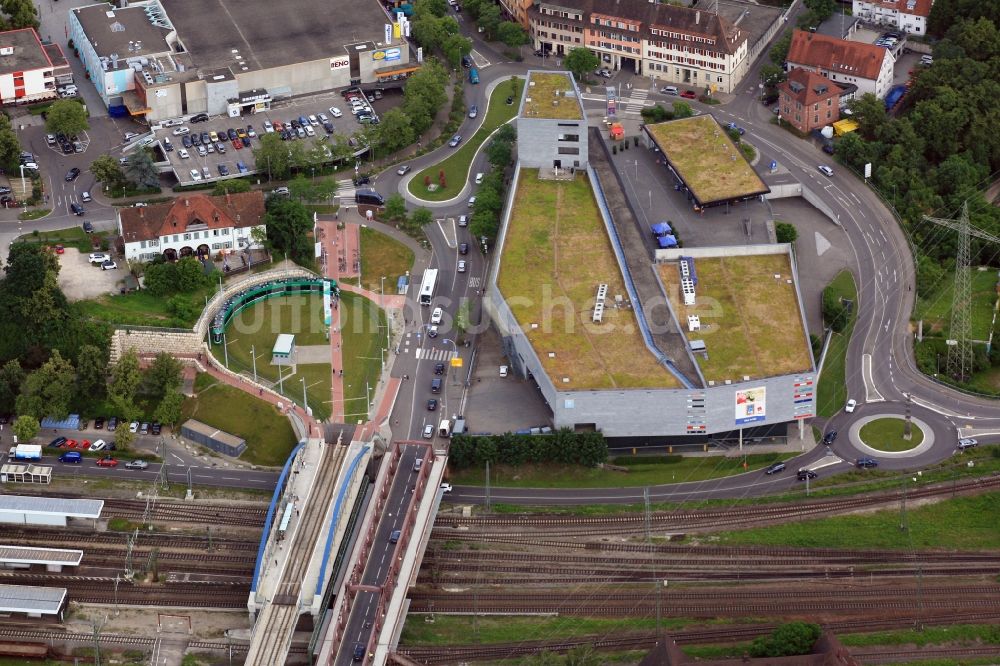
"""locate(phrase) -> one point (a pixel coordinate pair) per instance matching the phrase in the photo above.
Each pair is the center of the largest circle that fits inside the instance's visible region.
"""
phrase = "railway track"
(646, 640)
(70, 538)
(118, 640)
(170, 511)
(448, 525)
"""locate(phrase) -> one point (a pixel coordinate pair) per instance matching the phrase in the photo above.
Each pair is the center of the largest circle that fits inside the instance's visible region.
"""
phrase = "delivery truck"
(26, 452)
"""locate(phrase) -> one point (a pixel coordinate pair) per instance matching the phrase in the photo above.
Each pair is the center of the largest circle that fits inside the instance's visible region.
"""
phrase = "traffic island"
(883, 435)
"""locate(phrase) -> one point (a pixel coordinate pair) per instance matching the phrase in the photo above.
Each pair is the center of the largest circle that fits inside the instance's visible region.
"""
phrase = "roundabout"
(882, 435)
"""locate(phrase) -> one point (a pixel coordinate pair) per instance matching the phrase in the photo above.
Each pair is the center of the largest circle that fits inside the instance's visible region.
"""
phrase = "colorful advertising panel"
(751, 405)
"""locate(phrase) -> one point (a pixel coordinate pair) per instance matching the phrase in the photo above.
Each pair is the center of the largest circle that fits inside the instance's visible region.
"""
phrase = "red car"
(60, 249)
(107, 462)
(689, 94)
(85, 444)
(237, 144)
(71, 444)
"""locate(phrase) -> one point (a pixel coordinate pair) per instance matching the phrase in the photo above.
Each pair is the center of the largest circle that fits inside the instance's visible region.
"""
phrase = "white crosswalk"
(345, 189)
(435, 354)
(637, 100)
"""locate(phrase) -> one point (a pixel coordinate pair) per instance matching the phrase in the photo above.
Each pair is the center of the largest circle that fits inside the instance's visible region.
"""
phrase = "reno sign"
(340, 62)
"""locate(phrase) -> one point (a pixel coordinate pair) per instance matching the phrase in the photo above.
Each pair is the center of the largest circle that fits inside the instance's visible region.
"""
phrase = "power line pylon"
(960, 356)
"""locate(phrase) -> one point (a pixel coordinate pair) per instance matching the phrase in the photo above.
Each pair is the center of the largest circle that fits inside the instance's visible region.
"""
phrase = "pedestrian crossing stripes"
(345, 188)
(435, 354)
(635, 102)
(474, 282)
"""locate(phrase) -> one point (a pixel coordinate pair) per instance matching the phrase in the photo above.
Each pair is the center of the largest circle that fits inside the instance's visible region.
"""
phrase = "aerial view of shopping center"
(522, 332)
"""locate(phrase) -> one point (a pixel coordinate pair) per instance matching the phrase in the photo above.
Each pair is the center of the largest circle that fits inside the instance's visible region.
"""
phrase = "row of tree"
(563, 447)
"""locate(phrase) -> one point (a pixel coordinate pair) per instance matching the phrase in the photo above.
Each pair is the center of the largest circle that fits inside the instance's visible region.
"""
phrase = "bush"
(790, 639)
(786, 233)
(564, 446)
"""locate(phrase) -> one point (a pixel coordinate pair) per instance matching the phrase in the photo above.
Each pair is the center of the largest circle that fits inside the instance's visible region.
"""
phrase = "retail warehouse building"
(170, 58)
(678, 344)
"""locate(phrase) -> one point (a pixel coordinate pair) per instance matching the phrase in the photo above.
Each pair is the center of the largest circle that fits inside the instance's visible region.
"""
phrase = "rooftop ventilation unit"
(117, 26)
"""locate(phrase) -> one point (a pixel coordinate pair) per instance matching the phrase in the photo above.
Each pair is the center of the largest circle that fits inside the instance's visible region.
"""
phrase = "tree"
(288, 228)
(190, 275)
(779, 50)
(11, 378)
(140, 170)
(306, 189)
(123, 435)
(395, 131)
(92, 372)
(25, 428)
(785, 232)
(454, 47)
(421, 217)
(792, 638)
(20, 13)
(10, 146)
(682, 110)
(231, 186)
(169, 409)
(489, 20)
(869, 112)
(48, 390)
(272, 157)
(512, 34)
(66, 116)
(125, 378)
(429, 32)
(163, 375)
(395, 207)
(106, 169)
(581, 61)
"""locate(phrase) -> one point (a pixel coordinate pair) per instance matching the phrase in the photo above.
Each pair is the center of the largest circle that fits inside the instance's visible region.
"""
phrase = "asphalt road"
(380, 556)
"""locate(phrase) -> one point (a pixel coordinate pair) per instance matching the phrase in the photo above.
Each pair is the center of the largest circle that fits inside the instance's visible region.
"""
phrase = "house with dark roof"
(27, 70)
(192, 225)
(910, 16)
(665, 42)
(808, 100)
(866, 66)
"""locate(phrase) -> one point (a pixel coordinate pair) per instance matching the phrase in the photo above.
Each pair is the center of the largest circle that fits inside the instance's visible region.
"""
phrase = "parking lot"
(80, 280)
(230, 154)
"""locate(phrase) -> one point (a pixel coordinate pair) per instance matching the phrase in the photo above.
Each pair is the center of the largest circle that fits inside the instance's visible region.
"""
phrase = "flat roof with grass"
(706, 159)
(551, 95)
(556, 252)
(749, 315)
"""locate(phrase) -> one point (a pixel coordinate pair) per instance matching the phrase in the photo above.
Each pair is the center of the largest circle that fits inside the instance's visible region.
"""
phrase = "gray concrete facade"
(547, 142)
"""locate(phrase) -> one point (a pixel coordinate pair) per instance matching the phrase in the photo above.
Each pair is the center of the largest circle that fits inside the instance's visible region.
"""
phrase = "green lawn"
(643, 471)
(887, 435)
(970, 522)
(382, 255)
(363, 335)
(971, 634)
(257, 328)
(140, 308)
(456, 165)
(268, 434)
(935, 310)
(71, 237)
(831, 393)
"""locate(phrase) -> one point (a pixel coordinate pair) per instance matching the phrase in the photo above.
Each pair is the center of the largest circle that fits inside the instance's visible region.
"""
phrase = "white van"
(444, 429)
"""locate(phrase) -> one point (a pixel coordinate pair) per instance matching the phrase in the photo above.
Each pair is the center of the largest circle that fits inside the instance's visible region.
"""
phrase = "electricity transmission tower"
(960, 356)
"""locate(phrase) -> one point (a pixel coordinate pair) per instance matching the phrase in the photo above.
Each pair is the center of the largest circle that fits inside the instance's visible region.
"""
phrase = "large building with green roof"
(551, 124)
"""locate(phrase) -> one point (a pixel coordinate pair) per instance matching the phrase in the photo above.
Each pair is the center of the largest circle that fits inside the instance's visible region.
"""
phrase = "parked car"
(99, 445)
(98, 257)
(109, 265)
(689, 94)
(99, 423)
(155, 428)
(133, 427)
(181, 131)
(335, 112)
(112, 422)
(58, 442)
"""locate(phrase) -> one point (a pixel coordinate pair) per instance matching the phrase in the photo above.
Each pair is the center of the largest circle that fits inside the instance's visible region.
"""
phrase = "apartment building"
(672, 44)
(909, 16)
(808, 100)
(29, 69)
(866, 66)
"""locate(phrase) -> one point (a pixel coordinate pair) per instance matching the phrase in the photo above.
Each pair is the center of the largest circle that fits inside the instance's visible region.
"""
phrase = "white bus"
(427, 286)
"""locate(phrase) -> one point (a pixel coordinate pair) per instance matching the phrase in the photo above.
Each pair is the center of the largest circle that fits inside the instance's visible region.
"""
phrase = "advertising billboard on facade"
(751, 405)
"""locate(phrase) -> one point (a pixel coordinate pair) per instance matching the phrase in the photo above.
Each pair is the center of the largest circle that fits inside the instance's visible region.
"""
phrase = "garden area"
(831, 391)
(382, 256)
(268, 434)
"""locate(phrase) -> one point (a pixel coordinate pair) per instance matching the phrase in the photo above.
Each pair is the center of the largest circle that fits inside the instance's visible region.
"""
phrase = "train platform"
(52, 511)
(54, 559)
(32, 600)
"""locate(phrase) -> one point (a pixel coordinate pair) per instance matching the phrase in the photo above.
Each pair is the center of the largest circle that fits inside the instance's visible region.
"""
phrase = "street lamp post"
(253, 356)
(225, 348)
(305, 403)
